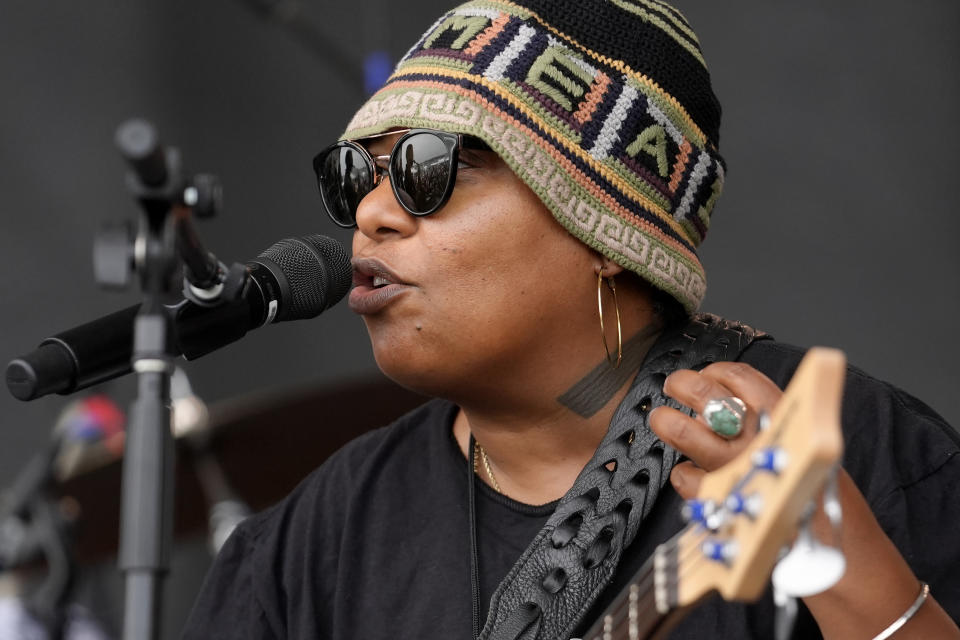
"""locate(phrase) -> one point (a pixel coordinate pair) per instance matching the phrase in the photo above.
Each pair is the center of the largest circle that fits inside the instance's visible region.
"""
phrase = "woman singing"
(528, 192)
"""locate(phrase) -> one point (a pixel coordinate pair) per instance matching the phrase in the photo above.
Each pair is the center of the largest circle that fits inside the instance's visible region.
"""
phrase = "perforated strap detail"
(572, 559)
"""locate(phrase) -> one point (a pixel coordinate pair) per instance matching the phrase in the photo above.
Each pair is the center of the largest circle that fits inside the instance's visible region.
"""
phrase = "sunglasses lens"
(345, 177)
(421, 169)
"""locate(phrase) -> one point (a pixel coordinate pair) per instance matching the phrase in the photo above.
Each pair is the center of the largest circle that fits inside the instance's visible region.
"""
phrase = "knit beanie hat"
(603, 107)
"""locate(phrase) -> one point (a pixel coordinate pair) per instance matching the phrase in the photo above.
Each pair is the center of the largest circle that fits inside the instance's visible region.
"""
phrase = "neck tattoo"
(594, 391)
(480, 455)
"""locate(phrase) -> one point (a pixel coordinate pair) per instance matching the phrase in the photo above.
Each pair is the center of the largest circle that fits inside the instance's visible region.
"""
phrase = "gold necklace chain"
(480, 455)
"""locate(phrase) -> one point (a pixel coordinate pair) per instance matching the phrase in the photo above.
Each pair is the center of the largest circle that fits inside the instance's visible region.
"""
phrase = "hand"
(692, 436)
(878, 584)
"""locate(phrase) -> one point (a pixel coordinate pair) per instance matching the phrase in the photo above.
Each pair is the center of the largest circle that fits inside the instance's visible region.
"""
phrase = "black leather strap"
(573, 558)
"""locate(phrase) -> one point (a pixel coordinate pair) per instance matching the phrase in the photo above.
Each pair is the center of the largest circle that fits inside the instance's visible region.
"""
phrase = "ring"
(725, 415)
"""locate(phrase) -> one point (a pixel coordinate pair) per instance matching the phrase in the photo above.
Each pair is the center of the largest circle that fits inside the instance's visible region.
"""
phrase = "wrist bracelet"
(902, 620)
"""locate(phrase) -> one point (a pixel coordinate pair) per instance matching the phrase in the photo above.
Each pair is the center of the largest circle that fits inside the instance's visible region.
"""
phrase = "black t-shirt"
(376, 542)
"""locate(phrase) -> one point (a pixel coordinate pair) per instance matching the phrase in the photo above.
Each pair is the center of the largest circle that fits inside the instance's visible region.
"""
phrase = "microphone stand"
(146, 527)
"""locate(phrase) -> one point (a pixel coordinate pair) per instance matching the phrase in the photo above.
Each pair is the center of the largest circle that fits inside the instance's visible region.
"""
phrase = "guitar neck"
(644, 607)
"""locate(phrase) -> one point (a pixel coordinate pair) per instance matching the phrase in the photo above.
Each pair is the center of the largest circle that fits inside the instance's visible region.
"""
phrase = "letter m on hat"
(455, 32)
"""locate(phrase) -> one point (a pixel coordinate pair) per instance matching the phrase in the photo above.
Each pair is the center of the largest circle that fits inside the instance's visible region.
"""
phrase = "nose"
(380, 216)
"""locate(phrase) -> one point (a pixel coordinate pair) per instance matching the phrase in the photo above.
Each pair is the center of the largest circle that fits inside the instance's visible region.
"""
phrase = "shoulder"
(890, 436)
(300, 543)
(362, 461)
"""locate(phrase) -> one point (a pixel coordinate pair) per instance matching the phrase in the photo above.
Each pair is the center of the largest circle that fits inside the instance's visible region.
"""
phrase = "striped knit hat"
(603, 107)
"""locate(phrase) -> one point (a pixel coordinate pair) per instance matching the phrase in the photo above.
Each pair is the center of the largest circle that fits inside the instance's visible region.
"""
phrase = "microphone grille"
(318, 272)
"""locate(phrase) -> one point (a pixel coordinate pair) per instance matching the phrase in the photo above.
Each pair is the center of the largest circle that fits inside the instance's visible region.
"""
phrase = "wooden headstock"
(804, 432)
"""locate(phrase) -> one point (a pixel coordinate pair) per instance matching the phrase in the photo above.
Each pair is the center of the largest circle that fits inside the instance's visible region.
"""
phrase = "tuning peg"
(772, 459)
(750, 505)
(719, 551)
(696, 511)
(763, 421)
(706, 513)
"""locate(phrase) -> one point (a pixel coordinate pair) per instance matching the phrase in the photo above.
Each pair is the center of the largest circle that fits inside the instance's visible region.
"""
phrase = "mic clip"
(228, 289)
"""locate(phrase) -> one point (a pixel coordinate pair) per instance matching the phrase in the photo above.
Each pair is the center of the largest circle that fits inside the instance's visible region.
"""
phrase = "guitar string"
(618, 616)
(681, 564)
(647, 603)
(648, 606)
(683, 567)
(682, 558)
(620, 612)
(645, 580)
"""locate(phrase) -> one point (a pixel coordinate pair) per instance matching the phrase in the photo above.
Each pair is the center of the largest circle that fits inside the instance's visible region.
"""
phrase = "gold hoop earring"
(603, 334)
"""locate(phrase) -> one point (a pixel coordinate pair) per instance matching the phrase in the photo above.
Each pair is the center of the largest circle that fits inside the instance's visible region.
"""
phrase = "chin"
(426, 382)
(405, 360)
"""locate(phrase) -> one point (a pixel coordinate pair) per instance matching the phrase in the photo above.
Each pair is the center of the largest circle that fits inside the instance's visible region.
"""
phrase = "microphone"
(296, 278)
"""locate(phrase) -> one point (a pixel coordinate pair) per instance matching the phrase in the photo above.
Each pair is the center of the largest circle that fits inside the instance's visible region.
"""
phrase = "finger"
(693, 438)
(694, 389)
(686, 478)
(757, 390)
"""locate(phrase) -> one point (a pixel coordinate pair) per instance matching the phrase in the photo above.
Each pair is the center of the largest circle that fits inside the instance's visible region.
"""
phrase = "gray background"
(838, 225)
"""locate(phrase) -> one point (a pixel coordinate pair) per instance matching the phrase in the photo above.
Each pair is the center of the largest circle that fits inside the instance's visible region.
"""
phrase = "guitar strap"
(566, 567)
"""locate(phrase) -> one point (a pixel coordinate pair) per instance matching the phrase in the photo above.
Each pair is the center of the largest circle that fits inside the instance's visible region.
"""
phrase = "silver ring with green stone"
(725, 416)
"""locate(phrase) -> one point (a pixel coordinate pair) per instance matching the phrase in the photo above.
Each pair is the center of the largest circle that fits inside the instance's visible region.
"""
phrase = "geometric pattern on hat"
(603, 108)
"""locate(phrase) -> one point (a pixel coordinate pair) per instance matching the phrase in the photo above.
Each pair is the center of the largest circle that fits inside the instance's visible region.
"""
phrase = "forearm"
(878, 585)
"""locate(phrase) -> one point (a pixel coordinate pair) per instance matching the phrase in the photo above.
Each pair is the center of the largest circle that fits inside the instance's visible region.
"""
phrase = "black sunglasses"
(422, 167)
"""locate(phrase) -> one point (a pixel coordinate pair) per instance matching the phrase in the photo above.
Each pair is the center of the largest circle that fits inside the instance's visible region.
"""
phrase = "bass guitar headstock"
(746, 511)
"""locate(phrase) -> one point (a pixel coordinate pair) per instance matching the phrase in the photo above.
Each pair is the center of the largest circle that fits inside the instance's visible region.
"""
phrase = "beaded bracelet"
(902, 620)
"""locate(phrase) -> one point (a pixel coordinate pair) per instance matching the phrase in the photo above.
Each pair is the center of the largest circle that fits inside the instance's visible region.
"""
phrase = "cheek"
(477, 270)
(498, 289)
(500, 278)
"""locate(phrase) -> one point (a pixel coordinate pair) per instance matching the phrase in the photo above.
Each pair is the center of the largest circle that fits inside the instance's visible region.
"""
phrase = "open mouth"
(375, 286)
(371, 273)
